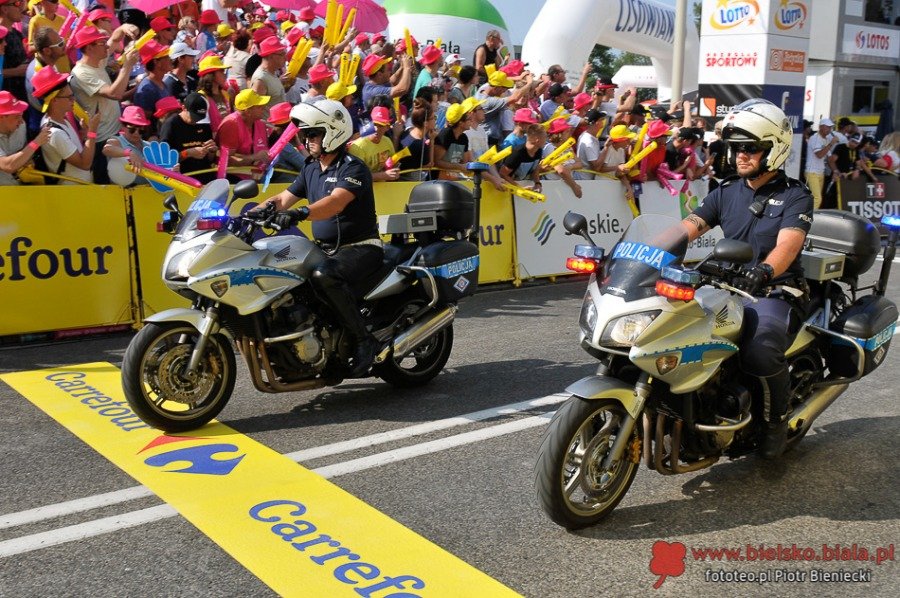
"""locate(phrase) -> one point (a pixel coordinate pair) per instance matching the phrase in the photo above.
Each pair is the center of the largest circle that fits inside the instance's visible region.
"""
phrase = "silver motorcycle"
(254, 296)
(668, 391)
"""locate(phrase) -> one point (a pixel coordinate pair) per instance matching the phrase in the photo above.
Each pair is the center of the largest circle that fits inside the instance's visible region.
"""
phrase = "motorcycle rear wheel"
(421, 365)
(155, 386)
(571, 487)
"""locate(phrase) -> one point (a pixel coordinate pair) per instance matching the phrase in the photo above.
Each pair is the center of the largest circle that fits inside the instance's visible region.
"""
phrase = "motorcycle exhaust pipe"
(813, 408)
(419, 333)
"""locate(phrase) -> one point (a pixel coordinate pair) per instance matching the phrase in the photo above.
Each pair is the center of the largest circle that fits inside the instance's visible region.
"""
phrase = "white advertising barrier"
(656, 200)
(541, 241)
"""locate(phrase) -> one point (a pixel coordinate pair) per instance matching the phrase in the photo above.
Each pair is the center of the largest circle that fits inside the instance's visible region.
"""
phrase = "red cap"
(514, 68)
(657, 128)
(293, 36)
(152, 49)
(401, 45)
(209, 17)
(10, 105)
(581, 100)
(88, 35)
(430, 55)
(261, 34)
(46, 80)
(362, 37)
(260, 12)
(271, 45)
(373, 62)
(280, 113)
(307, 14)
(320, 72)
(381, 115)
(525, 116)
(134, 115)
(317, 32)
(166, 105)
(98, 14)
(378, 37)
(558, 126)
(283, 15)
(161, 24)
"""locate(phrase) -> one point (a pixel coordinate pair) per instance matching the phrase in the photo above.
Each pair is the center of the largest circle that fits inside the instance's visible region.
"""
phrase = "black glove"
(754, 279)
(284, 220)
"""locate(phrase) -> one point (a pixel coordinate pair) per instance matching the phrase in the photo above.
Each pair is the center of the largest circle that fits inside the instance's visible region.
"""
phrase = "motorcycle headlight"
(622, 332)
(177, 268)
(588, 318)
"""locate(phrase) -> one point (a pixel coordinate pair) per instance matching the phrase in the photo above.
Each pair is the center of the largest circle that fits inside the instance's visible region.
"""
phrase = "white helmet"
(328, 115)
(762, 121)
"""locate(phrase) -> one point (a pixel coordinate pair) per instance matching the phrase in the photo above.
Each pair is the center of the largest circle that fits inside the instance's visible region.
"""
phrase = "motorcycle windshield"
(650, 243)
(213, 196)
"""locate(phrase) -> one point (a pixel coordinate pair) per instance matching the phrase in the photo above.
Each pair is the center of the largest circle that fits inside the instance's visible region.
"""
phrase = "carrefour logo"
(790, 15)
(734, 13)
(193, 459)
(542, 228)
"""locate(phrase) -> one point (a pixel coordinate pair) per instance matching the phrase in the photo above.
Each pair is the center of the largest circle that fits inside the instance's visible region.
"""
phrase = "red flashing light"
(671, 290)
(210, 223)
(581, 265)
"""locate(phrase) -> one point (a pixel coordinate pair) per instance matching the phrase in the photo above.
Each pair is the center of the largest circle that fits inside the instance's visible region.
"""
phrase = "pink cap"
(271, 45)
(280, 113)
(362, 37)
(88, 35)
(134, 115)
(161, 24)
(430, 55)
(320, 72)
(209, 17)
(525, 116)
(581, 100)
(558, 126)
(307, 13)
(166, 105)
(381, 115)
(10, 105)
(514, 68)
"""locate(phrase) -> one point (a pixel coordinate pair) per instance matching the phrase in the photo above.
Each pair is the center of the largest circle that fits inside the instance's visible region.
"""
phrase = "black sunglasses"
(750, 147)
(311, 133)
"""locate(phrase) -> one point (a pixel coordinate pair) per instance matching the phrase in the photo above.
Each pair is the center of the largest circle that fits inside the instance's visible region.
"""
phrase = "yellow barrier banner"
(64, 260)
(297, 532)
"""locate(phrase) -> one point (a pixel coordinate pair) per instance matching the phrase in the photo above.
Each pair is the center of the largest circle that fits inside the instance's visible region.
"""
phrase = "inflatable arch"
(566, 31)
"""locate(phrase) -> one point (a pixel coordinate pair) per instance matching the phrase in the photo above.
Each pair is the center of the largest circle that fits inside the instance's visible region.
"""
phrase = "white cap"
(181, 49)
(452, 59)
(827, 122)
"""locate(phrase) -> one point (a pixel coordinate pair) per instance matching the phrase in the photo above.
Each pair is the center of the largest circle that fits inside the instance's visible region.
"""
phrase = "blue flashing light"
(167, 216)
(892, 222)
(689, 277)
(589, 251)
(213, 213)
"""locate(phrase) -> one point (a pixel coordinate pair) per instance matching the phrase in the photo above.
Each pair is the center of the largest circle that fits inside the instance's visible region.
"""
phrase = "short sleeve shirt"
(234, 134)
(87, 82)
(373, 155)
(456, 146)
(788, 204)
(357, 222)
(521, 162)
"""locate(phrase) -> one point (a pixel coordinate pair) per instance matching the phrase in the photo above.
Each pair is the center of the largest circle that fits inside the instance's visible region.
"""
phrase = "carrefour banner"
(63, 259)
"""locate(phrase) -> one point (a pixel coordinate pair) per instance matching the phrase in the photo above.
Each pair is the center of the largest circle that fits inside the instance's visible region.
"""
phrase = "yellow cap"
(286, 26)
(210, 64)
(470, 104)
(339, 91)
(223, 30)
(247, 98)
(455, 113)
(500, 79)
(619, 132)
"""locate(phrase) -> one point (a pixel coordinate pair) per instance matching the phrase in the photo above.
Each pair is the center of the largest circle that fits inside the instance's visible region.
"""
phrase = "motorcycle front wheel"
(572, 487)
(156, 386)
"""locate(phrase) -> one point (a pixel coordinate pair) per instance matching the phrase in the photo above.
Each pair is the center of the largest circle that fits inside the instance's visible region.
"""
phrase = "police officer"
(762, 206)
(341, 207)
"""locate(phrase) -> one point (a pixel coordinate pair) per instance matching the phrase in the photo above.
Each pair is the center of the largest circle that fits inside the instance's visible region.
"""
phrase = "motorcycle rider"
(341, 207)
(762, 206)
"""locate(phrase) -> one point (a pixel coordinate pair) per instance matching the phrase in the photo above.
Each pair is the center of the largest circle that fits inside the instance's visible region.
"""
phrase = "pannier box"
(402, 224)
(822, 265)
(454, 266)
(870, 322)
(846, 233)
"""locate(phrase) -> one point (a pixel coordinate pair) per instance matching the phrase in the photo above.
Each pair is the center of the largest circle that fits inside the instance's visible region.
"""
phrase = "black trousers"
(335, 282)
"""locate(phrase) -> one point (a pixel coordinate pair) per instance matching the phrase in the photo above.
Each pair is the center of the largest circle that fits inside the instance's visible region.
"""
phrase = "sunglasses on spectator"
(134, 129)
(749, 147)
(60, 44)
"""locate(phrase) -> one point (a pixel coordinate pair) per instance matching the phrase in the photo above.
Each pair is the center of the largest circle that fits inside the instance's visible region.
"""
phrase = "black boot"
(341, 301)
(773, 439)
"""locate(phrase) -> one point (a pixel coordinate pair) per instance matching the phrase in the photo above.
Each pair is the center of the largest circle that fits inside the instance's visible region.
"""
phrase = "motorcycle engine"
(293, 317)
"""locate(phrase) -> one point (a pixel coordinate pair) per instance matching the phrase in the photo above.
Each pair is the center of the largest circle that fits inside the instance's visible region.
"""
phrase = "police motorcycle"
(668, 390)
(179, 370)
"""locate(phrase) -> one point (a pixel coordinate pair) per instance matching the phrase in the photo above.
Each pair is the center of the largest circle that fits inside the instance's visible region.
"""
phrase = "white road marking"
(73, 506)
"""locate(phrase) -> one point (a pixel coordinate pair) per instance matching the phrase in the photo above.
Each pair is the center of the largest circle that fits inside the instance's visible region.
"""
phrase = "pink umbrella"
(151, 6)
(370, 17)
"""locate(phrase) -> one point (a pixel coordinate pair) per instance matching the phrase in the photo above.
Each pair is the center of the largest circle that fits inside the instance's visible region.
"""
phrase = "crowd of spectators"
(213, 81)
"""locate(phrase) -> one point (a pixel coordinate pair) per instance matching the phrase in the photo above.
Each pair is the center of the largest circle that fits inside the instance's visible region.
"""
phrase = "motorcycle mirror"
(171, 204)
(576, 224)
(246, 190)
(730, 250)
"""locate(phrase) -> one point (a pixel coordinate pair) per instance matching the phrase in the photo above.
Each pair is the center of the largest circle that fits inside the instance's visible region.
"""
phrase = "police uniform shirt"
(788, 204)
(357, 221)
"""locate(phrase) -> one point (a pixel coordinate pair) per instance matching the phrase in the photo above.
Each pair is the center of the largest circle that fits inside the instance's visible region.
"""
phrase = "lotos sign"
(871, 42)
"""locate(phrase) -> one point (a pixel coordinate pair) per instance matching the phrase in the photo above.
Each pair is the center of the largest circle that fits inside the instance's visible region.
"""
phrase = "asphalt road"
(474, 499)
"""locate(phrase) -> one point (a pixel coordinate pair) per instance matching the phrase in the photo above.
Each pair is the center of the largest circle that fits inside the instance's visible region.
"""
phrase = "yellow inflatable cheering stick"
(349, 66)
(71, 7)
(568, 143)
(640, 155)
(347, 24)
(298, 57)
(556, 114)
(392, 161)
(140, 43)
(532, 196)
(492, 156)
(330, 14)
(408, 39)
(562, 159)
